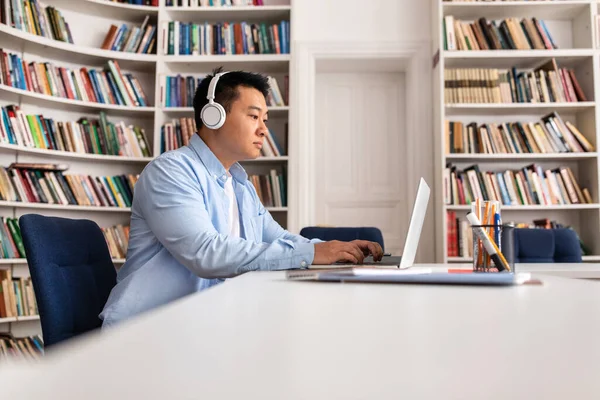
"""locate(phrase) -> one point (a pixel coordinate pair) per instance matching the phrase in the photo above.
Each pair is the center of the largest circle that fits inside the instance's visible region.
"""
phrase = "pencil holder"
(493, 248)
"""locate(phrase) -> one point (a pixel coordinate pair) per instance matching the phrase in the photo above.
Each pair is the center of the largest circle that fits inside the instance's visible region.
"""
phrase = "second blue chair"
(344, 234)
(71, 271)
(547, 246)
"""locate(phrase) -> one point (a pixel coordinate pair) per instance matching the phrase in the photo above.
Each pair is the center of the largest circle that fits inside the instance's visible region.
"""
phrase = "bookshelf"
(89, 22)
(573, 27)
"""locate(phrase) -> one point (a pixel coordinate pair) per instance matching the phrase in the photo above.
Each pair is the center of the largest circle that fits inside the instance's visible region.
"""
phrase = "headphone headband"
(213, 86)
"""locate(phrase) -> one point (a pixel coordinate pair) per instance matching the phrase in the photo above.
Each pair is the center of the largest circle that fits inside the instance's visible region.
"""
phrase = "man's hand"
(353, 252)
(372, 248)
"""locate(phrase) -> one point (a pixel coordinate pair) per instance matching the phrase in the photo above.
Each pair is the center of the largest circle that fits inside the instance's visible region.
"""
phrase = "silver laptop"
(407, 259)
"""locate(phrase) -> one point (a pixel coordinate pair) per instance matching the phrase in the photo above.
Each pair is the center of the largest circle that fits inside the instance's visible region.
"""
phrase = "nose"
(262, 129)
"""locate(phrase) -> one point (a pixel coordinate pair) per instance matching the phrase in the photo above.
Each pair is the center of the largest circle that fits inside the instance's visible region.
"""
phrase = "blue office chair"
(547, 246)
(71, 271)
(343, 234)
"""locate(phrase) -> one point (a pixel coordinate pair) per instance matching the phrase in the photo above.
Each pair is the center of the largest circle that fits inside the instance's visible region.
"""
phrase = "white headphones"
(213, 114)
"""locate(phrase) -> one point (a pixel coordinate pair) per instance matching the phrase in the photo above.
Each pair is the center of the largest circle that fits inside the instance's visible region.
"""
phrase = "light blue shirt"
(179, 242)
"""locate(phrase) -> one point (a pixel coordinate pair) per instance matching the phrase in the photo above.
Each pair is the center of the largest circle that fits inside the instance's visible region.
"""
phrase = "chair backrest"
(343, 234)
(71, 271)
(559, 245)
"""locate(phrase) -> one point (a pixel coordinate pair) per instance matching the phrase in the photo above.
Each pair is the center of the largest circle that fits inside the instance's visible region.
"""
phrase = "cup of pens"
(493, 241)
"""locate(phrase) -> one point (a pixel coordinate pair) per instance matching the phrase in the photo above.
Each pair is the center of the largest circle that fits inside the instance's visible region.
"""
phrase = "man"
(196, 218)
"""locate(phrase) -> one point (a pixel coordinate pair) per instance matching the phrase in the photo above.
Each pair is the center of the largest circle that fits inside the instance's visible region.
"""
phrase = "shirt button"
(303, 263)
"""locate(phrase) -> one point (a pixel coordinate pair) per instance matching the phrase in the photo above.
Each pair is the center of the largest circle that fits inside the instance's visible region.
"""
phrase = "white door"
(360, 153)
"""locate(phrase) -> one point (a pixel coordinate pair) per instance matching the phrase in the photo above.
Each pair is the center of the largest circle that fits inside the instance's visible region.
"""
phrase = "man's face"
(244, 129)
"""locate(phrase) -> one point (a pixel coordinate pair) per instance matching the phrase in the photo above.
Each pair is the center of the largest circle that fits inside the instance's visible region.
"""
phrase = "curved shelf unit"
(21, 204)
(88, 105)
(107, 9)
(46, 47)
(69, 154)
(124, 6)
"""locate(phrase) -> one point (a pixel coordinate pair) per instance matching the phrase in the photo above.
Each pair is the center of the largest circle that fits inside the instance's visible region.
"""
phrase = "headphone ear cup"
(213, 115)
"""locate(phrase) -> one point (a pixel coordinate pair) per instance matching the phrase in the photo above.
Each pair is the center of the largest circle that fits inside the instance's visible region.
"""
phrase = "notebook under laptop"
(412, 238)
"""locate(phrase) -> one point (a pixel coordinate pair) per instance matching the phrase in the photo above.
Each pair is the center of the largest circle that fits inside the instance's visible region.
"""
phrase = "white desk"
(261, 337)
(568, 270)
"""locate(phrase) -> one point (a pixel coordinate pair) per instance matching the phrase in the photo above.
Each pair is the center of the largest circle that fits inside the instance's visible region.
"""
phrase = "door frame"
(412, 60)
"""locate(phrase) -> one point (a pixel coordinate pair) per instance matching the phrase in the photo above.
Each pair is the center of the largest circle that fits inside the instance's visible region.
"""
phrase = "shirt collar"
(212, 163)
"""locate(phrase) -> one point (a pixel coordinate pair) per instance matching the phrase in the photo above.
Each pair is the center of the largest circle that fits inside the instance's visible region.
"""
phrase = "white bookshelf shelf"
(516, 108)
(229, 13)
(267, 159)
(267, 63)
(19, 204)
(124, 6)
(591, 258)
(19, 319)
(83, 105)
(72, 155)
(518, 157)
(517, 58)
(549, 9)
(536, 207)
(277, 209)
(74, 53)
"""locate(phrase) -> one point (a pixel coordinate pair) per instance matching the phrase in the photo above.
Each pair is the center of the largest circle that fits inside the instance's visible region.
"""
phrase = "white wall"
(354, 20)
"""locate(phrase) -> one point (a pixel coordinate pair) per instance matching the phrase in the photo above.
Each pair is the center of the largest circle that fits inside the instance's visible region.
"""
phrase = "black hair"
(227, 89)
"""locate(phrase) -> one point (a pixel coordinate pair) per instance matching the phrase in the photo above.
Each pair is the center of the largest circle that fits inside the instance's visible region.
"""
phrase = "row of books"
(509, 34)
(213, 3)
(17, 298)
(117, 239)
(33, 17)
(86, 135)
(549, 135)
(178, 132)
(46, 183)
(271, 189)
(153, 3)
(137, 39)
(459, 234)
(28, 348)
(109, 86)
(477, 85)
(179, 91)
(529, 185)
(181, 38)
(11, 241)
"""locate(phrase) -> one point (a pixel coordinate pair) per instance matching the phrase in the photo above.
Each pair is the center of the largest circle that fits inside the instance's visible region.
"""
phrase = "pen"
(497, 223)
(489, 244)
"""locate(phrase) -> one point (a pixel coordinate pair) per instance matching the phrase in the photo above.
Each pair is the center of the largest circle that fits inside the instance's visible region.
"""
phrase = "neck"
(222, 154)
